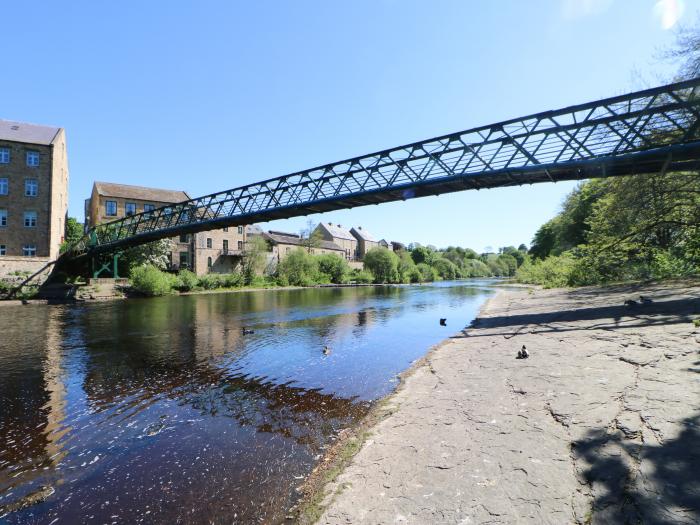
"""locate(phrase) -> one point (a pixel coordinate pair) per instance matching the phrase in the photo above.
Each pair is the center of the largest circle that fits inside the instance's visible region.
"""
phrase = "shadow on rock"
(636, 482)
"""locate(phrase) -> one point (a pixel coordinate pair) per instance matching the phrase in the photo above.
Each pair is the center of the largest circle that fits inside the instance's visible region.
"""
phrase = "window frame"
(225, 244)
(126, 209)
(4, 183)
(240, 230)
(209, 243)
(240, 245)
(3, 218)
(29, 217)
(31, 187)
(3, 249)
(5, 153)
(34, 155)
(29, 248)
(116, 209)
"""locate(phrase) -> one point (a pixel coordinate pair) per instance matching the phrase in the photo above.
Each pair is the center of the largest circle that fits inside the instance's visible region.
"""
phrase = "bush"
(298, 269)
(186, 280)
(476, 268)
(334, 267)
(362, 276)
(445, 269)
(151, 281)
(383, 264)
(427, 273)
(413, 275)
(552, 272)
(211, 281)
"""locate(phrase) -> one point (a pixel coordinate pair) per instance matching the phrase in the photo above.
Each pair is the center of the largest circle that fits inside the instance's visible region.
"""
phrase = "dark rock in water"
(38, 496)
(443, 321)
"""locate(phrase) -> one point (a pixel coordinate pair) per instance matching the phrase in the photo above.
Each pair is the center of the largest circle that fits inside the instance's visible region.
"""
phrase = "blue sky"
(209, 95)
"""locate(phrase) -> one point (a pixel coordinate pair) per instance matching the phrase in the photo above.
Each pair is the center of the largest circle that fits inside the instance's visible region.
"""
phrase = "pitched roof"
(337, 232)
(296, 240)
(28, 133)
(126, 191)
(253, 229)
(362, 234)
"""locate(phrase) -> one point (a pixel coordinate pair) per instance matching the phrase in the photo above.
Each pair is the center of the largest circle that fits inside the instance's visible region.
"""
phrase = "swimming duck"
(443, 321)
(245, 331)
(631, 303)
(326, 350)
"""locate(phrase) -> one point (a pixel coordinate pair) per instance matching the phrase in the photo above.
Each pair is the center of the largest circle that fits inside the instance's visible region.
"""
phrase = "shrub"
(383, 264)
(211, 281)
(186, 280)
(334, 267)
(427, 273)
(362, 276)
(445, 269)
(151, 281)
(552, 272)
(298, 268)
(413, 275)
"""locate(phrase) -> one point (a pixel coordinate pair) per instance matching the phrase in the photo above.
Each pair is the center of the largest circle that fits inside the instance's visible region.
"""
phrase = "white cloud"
(668, 12)
(572, 9)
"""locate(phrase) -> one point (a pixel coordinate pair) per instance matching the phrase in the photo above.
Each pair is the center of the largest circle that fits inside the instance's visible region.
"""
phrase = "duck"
(631, 303)
(523, 353)
(246, 331)
(326, 350)
(443, 321)
(645, 300)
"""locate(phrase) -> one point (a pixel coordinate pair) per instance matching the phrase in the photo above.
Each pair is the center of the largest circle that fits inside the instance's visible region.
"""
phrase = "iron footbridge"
(648, 131)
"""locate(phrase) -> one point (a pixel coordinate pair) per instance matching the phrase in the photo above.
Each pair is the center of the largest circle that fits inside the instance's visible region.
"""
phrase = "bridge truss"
(643, 132)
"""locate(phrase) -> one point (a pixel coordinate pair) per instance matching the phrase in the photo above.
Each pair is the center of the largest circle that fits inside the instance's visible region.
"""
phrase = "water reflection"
(164, 411)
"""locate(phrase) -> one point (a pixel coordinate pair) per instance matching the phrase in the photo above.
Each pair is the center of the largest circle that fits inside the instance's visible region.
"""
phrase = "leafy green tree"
(298, 268)
(310, 236)
(383, 264)
(406, 267)
(445, 269)
(427, 272)
(421, 254)
(254, 257)
(476, 268)
(156, 253)
(336, 268)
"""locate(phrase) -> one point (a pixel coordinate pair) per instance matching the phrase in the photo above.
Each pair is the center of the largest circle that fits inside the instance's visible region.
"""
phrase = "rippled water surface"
(163, 411)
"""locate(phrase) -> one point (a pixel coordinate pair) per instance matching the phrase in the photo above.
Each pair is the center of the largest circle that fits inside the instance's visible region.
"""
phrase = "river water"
(165, 411)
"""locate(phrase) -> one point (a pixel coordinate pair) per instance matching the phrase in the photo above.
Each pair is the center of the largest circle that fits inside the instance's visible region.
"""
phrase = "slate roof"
(294, 239)
(27, 133)
(362, 234)
(126, 191)
(337, 231)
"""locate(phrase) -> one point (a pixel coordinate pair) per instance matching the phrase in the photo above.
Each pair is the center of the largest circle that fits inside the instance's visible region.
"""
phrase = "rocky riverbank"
(601, 424)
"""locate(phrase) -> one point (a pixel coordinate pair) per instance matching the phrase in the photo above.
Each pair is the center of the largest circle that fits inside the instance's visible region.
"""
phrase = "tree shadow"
(619, 316)
(651, 483)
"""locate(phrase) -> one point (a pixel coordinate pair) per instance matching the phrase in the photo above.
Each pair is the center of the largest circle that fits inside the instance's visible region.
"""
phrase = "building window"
(209, 242)
(240, 230)
(167, 211)
(30, 219)
(209, 263)
(111, 208)
(4, 155)
(3, 217)
(184, 259)
(33, 158)
(183, 238)
(225, 246)
(130, 208)
(31, 187)
(240, 245)
(3, 249)
(29, 250)
(4, 187)
(225, 230)
(149, 207)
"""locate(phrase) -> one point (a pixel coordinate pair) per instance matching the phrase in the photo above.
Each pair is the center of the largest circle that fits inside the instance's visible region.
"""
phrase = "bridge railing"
(614, 127)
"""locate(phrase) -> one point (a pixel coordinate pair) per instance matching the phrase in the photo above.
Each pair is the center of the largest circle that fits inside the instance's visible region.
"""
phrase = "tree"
(298, 268)
(156, 253)
(336, 268)
(406, 267)
(310, 236)
(73, 233)
(383, 264)
(421, 254)
(253, 258)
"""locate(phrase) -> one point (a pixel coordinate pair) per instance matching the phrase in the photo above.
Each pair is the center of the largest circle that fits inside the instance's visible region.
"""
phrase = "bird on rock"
(523, 353)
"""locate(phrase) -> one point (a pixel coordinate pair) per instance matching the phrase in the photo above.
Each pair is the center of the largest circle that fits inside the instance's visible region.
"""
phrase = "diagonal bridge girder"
(636, 133)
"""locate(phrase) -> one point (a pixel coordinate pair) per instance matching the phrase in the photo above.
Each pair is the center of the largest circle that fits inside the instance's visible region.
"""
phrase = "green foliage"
(298, 268)
(156, 253)
(421, 254)
(362, 276)
(186, 281)
(150, 280)
(73, 233)
(552, 272)
(407, 268)
(475, 268)
(427, 273)
(383, 264)
(334, 267)
(444, 268)
(253, 258)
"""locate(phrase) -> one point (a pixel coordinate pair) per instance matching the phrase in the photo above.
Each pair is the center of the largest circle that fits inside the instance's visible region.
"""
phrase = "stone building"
(365, 242)
(280, 244)
(217, 251)
(339, 236)
(33, 195)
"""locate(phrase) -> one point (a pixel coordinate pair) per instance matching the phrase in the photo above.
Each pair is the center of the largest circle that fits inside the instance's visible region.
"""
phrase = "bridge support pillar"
(111, 265)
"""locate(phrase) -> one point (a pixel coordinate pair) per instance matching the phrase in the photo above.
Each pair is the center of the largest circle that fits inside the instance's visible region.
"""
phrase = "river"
(170, 410)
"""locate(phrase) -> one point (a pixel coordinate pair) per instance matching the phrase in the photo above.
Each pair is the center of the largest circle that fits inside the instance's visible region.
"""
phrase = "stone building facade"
(213, 251)
(33, 195)
(281, 244)
(365, 242)
(340, 236)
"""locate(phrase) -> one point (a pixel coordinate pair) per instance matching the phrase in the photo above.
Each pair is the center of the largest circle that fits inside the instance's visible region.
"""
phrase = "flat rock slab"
(600, 425)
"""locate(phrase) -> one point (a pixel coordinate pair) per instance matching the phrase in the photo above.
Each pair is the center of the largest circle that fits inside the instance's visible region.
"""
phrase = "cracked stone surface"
(600, 425)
